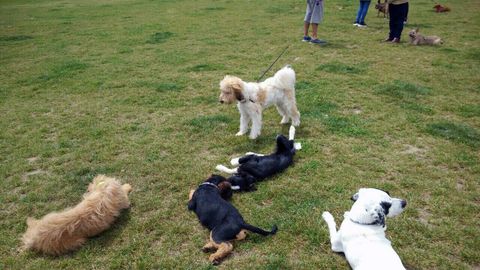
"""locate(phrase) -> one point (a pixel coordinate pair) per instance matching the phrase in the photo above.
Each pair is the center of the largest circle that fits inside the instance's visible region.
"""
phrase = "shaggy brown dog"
(61, 232)
(418, 39)
(382, 8)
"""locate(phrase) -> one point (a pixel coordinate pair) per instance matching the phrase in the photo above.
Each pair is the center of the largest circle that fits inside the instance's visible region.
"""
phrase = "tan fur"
(223, 249)
(61, 232)
(418, 39)
(190, 196)
(261, 96)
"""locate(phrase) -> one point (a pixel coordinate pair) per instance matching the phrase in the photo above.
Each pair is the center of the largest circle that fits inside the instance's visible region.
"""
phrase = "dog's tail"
(260, 231)
(285, 78)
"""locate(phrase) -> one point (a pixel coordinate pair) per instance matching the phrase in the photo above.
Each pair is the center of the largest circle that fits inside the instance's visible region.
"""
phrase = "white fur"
(225, 169)
(278, 90)
(365, 246)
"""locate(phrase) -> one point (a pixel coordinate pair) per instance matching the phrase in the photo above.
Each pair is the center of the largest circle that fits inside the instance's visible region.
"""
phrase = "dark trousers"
(398, 14)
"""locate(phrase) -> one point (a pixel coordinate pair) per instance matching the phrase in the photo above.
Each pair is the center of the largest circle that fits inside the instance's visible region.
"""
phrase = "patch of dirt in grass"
(32, 159)
(413, 150)
(460, 185)
(32, 173)
(424, 216)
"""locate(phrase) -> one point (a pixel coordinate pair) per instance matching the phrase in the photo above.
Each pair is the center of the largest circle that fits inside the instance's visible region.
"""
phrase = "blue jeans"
(362, 12)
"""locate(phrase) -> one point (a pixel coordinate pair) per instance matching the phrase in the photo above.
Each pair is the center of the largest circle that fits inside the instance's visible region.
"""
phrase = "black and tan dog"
(256, 167)
(220, 217)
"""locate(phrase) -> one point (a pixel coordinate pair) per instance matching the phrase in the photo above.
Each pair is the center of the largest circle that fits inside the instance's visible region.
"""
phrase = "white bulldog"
(362, 233)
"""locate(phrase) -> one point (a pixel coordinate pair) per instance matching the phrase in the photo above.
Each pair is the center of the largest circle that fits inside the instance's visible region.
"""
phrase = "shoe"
(306, 39)
(317, 41)
(362, 25)
(355, 24)
(388, 39)
(395, 40)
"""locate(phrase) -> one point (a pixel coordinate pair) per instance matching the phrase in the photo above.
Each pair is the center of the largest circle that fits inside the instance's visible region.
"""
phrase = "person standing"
(313, 16)
(362, 13)
(398, 10)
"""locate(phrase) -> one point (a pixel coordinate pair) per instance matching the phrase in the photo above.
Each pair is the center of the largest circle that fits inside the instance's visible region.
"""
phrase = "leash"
(265, 72)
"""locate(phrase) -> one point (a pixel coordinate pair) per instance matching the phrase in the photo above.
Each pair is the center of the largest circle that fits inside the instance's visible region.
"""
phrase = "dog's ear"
(237, 91)
(225, 190)
(354, 197)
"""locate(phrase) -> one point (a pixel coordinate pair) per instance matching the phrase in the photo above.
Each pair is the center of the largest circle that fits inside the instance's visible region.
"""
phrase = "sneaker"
(362, 25)
(388, 39)
(395, 40)
(306, 39)
(318, 41)
(355, 24)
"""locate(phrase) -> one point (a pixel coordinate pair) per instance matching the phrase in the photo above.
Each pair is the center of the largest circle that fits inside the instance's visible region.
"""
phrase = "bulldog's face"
(373, 205)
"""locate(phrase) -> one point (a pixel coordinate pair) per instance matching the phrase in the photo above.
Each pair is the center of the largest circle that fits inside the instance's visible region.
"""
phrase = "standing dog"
(255, 167)
(252, 98)
(220, 217)
(61, 232)
(362, 233)
(382, 8)
(418, 39)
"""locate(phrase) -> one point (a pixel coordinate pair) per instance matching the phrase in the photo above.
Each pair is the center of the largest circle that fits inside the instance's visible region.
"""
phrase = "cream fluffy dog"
(61, 232)
(252, 98)
(362, 233)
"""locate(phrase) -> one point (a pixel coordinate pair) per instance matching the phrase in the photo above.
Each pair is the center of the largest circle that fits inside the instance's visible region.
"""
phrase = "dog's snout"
(404, 203)
(221, 101)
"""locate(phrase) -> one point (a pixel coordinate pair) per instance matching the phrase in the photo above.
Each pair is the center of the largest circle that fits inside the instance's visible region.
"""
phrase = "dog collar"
(243, 101)
(208, 184)
(373, 223)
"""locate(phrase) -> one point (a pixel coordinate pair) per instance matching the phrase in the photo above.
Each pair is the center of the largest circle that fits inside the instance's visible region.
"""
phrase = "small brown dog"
(418, 39)
(61, 232)
(382, 8)
(441, 8)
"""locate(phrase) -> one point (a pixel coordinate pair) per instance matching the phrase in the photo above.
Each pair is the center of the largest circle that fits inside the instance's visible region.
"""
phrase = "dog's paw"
(127, 188)
(208, 249)
(219, 168)
(234, 161)
(214, 260)
(253, 136)
(327, 217)
(240, 133)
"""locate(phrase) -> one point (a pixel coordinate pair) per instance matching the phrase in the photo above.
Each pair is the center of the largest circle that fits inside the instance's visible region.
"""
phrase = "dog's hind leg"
(254, 154)
(241, 235)
(332, 228)
(225, 169)
(281, 110)
(224, 249)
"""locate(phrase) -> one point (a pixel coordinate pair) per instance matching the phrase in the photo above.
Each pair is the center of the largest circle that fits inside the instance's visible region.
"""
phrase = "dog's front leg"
(226, 170)
(256, 124)
(244, 120)
(332, 228)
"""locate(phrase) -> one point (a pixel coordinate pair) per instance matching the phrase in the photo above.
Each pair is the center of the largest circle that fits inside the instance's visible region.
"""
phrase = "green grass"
(130, 89)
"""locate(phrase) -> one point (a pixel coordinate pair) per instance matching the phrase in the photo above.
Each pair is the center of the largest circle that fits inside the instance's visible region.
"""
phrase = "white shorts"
(314, 13)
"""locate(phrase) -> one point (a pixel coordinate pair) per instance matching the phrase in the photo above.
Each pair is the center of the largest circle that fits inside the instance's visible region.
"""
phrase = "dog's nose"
(221, 101)
(404, 203)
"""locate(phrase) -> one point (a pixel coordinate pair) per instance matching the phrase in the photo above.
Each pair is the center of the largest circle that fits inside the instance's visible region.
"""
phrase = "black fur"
(219, 215)
(253, 168)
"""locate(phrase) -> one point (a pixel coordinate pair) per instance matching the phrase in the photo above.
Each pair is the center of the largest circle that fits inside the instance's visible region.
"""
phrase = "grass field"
(129, 89)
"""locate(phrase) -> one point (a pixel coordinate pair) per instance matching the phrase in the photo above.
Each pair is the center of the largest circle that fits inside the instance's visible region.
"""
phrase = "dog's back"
(262, 167)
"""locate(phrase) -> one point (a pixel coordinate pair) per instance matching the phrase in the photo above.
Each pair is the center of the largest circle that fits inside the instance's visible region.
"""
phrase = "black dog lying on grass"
(220, 217)
(256, 167)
